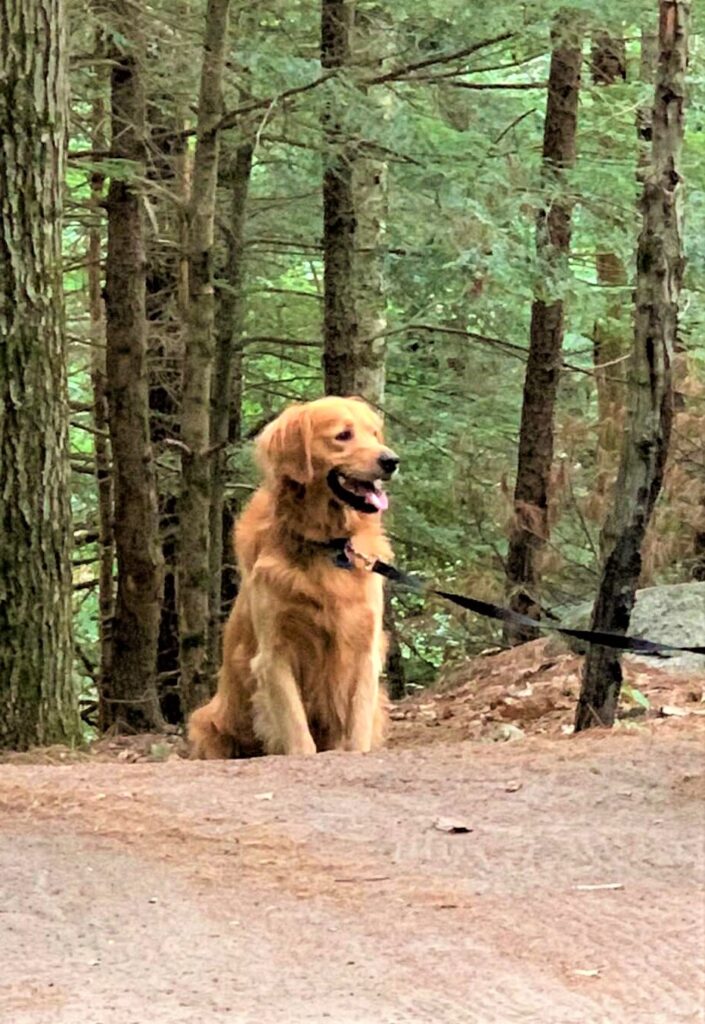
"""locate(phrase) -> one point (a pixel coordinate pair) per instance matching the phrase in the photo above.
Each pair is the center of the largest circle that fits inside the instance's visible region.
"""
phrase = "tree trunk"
(38, 702)
(659, 276)
(530, 527)
(372, 40)
(168, 168)
(101, 444)
(131, 700)
(226, 407)
(608, 64)
(394, 669)
(370, 198)
(354, 217)
(340, 325)
(193, 586)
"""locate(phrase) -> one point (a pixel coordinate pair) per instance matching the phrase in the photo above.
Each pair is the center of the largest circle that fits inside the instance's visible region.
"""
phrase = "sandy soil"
(284, 891)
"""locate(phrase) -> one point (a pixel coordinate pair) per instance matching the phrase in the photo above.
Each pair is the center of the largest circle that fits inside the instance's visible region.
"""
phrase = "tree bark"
(608, 63)
(38, 702)
(165, 305)
(354, 216)
(340, 324)
(226, 409)
(659, 277)
(101, 443)
(530, 527)
(193, 585)
(131, 700)
(371, 42)
(394, 669)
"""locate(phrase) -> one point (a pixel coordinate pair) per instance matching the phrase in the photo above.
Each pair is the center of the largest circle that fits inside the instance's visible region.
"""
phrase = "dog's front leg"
(363, 721)
(279, 717)
(366, 713)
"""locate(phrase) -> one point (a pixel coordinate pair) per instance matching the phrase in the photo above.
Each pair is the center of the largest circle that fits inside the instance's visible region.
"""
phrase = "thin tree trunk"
(609, 347)
(394, 669)
(370, 197)
(608, 63)
(164, 360)
(194, 509)
(371, 42)
(226, 407)
(38, 702)
(608, 58)
(340, 324)
(101, 442)
(530, 528)
(354, 217)
(659, 276)
(131, 700)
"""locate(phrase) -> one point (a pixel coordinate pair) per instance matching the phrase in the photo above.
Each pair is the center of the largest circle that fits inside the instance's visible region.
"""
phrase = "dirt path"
(290, 891)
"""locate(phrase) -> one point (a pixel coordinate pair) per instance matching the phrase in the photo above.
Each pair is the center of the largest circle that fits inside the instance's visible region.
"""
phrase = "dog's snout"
(389, 461)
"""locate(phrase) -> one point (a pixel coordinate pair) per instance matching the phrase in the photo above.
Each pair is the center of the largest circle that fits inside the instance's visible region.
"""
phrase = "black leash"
(344, 556)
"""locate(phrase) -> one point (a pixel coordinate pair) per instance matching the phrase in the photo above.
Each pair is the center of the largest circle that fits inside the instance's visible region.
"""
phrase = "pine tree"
(131, 697)
(38, 702)
(193, 586)
(530, 526)
(660, 264)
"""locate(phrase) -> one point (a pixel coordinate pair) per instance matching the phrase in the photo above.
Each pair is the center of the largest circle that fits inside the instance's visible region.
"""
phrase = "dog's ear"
(284, 446)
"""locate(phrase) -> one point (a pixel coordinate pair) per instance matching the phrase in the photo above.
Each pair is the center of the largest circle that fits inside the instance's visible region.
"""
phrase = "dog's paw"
(302, 747)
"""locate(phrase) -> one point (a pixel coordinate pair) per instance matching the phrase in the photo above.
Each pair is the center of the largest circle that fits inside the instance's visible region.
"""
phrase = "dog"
(304, 646)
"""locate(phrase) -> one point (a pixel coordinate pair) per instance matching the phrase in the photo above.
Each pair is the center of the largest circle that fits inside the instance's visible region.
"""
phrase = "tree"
(101, 442)
(371, 41)
(455, 238)
(354, 212)
(226, 411)
(166, 306)
(340, 326)
(659, 269)
(131, 699)
(530, 526)
(37, 695)
(608, 64)
(193, 587)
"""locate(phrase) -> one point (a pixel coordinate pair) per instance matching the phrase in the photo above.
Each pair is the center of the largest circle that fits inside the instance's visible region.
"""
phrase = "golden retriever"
(304, 647)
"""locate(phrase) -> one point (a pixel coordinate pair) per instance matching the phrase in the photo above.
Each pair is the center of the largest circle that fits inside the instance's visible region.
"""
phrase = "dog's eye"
(344, 435)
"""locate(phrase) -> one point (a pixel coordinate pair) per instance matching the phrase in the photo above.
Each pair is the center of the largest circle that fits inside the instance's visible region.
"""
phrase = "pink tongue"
(379, 499)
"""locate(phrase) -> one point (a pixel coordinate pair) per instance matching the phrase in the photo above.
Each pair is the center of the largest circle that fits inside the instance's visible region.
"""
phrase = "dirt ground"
(533, 690)
(284, 891)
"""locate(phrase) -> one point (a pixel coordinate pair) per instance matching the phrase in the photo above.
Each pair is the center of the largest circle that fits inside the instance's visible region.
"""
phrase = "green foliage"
(637, 697)
(460, 265)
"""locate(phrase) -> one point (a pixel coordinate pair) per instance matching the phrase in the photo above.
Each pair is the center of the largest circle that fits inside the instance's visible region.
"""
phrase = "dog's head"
(336, 440)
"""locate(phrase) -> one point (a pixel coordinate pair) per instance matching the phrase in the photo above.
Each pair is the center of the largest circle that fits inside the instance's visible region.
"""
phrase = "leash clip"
(352, 555)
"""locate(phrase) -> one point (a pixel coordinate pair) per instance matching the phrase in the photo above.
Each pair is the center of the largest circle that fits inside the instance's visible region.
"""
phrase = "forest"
(486, 221)
(254, 257)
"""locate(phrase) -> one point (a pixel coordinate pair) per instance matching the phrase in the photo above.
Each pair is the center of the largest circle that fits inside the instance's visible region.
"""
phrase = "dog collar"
(340, 550)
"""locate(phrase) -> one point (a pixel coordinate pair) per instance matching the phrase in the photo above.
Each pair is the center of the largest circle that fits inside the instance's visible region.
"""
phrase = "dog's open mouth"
(362, 495)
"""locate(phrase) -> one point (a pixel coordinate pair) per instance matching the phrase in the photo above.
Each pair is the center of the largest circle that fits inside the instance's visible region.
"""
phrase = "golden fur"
(303, 648)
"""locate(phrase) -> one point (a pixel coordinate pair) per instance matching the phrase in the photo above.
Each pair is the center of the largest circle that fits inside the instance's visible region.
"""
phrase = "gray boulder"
(674, 614)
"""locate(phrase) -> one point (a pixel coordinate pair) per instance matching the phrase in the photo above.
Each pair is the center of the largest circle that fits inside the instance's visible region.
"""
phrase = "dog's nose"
(388, 461)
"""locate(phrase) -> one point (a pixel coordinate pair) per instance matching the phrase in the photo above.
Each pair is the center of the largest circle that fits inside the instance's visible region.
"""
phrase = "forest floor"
(568, 890)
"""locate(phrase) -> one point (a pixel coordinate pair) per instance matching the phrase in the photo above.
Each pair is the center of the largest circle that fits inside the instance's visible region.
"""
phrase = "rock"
(501, 732)
(674, 614)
